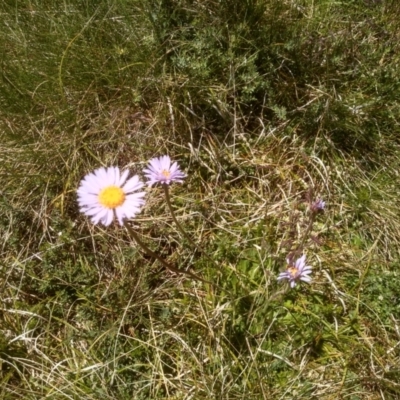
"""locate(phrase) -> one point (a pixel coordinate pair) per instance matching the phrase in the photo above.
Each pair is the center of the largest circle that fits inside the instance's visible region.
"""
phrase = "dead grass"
(85, 314)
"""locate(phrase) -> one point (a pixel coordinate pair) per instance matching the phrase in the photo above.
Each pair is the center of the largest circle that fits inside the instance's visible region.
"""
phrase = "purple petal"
(299, 264)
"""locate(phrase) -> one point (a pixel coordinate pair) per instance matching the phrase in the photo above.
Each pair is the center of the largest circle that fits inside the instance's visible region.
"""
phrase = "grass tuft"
(267, 106)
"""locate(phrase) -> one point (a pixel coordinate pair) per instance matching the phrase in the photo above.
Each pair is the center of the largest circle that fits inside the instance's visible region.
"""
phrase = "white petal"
(109, 217)
(116, 175)
(283, 275)
(123, 177)
(119, 211)
(100, 174)
(89, 184)
(174, 167)
(93, 211)
(99, 216)
(132, 184)
(88, 198)
(165, 162)
(135, 198)
(299, 264)
(155, 163)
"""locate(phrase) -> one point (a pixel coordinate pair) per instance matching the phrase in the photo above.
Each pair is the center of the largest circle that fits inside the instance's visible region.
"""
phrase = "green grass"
(267, 105)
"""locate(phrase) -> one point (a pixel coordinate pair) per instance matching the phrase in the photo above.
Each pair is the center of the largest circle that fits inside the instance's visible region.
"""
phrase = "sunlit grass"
(267, 106)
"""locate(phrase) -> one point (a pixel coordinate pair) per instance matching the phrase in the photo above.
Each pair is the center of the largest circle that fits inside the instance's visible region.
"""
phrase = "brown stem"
(171, 210)
(306, 233)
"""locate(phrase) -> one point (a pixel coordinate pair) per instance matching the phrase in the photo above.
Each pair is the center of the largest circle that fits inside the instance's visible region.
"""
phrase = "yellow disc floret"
(293, 271)
(166, 173)
(111, 197)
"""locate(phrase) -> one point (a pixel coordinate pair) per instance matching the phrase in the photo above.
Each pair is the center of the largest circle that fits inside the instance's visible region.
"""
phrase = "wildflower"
(106, 193)
(161, 170)
(318, 205)
(297, 271)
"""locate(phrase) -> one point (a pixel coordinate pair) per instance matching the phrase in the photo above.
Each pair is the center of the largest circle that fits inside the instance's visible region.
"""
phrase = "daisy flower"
(162, 170)
(105, 193)
(318, 205)
(297, 271)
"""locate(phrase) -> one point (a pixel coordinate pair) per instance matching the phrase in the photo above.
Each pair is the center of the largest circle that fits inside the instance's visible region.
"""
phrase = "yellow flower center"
(111, 197)
(166, 173)
(293, 271)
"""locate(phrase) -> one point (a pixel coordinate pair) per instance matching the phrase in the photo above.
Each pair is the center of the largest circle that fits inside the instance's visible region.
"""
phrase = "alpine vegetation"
(162, 170)
(105, 194)
(297, 271)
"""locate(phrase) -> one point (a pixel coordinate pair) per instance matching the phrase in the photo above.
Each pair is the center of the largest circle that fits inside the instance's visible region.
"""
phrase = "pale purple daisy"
(318, 205)
(297, 271)
(106, 193)
(162, 170)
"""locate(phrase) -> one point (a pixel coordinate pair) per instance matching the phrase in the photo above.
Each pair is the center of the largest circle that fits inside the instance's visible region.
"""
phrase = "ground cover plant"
(269, 269)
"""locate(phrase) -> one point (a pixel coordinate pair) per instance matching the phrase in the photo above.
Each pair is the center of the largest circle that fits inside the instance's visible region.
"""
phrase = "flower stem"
(160, 259)
(171, 210)
(307, 232)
